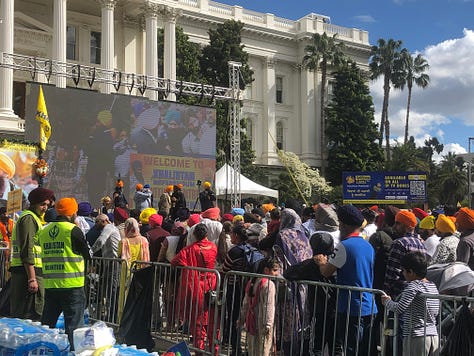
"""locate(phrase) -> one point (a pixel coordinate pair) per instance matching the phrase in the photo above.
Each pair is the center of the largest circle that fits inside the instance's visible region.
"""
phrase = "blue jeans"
(71, 302)
(358, 334)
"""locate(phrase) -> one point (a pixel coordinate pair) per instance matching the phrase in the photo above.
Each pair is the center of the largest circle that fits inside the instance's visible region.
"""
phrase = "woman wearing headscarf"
(191, 304)
(321, 302)
(291, 247)
(134, 247)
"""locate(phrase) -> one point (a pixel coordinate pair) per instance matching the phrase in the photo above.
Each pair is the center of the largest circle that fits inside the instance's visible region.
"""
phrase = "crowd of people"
(387, 249)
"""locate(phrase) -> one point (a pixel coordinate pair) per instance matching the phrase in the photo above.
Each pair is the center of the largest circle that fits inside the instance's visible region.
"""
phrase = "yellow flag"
(42, 117)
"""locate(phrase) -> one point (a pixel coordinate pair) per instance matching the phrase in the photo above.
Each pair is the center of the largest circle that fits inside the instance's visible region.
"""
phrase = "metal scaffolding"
(92, 75)
(80, 73)
(234, 118)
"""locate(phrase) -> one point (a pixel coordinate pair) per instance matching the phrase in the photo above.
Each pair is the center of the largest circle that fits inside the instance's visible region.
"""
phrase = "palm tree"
(453, 180)
(384, 61)
(412, 72)
(322, 52)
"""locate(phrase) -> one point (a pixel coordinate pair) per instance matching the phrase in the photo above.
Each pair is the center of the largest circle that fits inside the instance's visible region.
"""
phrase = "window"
(279, 90)
(95, 44)
(249, 128)
(248, 91)
(71, 42)
(279, 135)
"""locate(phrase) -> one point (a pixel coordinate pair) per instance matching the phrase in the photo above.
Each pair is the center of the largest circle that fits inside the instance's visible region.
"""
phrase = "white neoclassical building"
(281, 105)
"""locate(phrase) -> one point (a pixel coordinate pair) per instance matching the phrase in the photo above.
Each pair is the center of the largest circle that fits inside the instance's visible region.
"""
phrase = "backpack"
(252, 258)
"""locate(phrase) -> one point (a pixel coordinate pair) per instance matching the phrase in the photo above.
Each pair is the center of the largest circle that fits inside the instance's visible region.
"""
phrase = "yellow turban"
(428, 223)
(145, 215)
(238, 218)
(105, 117)
(206, 185)
(7, 165)
(445, 224)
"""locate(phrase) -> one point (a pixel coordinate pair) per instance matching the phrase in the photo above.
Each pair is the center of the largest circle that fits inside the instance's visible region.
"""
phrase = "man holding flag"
(42, 117)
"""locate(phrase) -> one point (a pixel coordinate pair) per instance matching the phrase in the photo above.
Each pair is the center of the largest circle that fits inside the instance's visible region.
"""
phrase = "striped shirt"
(418, 313)
(394, 280)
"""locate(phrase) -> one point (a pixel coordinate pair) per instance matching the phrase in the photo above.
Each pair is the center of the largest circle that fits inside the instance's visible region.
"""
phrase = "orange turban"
(139, 186)
(66, 206)
(465, 219)
(268, 207)
(7, 165)
(406, 218)
(169, 188)
(445, 224)
(180, 186)
(211, 213)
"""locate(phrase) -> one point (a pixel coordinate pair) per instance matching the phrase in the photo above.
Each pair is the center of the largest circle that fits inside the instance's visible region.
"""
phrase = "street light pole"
(469, 168)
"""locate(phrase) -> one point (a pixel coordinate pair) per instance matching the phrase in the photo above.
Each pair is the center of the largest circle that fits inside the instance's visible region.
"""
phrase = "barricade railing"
(304, 317)
(4, 265)
(180, 309)
(105, 285)
(309, 318)
(449, 307)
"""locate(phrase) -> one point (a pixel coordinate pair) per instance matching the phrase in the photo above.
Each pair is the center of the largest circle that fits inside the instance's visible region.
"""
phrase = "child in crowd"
(420, 336)
(258, 309)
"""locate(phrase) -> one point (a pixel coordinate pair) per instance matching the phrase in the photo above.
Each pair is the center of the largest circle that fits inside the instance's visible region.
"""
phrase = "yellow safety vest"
(62, 268)
(16, 260)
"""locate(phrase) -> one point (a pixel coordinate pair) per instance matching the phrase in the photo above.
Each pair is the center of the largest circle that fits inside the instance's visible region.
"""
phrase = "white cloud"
(446, 103)
(364, 18)
(450, 147)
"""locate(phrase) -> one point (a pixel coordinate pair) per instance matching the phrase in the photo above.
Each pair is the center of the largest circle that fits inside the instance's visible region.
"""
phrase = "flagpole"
(40, 156)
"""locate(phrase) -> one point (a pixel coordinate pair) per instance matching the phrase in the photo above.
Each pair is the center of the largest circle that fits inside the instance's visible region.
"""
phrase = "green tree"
(452, 180)
(300, 181)
(224, 46)
(384, 61)
(321, 53)
(412, 72)
(351, 129)
(407, 157)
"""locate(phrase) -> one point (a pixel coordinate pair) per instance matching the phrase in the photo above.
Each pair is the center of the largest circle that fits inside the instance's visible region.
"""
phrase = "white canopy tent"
(224, 184)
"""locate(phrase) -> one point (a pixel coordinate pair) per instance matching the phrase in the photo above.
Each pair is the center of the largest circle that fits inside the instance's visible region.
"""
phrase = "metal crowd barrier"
(307, 317)
(449, 307)
(105, 285)
(4, 265)
(180, 310)
(307, 320)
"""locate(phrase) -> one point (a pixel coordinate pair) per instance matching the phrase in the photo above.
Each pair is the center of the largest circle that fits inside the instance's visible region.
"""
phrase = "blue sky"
(441, 30)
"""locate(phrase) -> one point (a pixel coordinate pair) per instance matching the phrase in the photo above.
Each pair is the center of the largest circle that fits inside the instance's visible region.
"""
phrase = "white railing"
(339, 30)
(254, 16)
(285, 23)
(219, 8)
(190, 3)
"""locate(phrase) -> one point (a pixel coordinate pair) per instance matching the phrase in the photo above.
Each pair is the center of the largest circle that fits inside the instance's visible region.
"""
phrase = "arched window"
(279, 135)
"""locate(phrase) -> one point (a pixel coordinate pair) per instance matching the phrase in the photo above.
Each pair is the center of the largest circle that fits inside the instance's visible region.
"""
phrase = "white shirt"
(369, 230)
(431, 243)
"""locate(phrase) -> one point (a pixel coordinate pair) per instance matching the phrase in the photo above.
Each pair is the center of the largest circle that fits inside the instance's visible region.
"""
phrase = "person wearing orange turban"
(405, 223)
(64, 253)
(446, 250)
(465, 225)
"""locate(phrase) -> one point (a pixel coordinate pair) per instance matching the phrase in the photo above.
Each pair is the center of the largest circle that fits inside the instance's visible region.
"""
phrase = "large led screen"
(97, 138)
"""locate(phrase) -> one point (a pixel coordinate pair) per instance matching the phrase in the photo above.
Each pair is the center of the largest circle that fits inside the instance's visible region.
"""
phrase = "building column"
(8, 119)
(269, 99)
(108, 35)
(151, 56)
(59, 41)
(309, 129)
(170, 15)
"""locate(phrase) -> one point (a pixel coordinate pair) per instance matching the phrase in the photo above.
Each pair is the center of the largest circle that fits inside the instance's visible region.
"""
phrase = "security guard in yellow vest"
(27, 290)
(64, 252)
